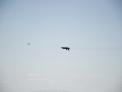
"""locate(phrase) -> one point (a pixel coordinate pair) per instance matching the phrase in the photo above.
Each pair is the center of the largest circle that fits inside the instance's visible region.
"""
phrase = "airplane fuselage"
(66, 48)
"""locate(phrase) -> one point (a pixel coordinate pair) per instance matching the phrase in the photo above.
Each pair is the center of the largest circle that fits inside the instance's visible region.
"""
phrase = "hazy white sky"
(90, 27)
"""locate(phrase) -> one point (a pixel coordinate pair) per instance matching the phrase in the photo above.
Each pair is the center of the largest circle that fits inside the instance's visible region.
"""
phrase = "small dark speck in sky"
(28, 43)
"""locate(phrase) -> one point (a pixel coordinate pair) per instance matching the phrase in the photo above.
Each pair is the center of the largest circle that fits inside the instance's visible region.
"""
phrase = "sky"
(91, 28)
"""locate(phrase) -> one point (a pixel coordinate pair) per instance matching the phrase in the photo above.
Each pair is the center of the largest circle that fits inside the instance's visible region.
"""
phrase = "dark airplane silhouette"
(67, 48)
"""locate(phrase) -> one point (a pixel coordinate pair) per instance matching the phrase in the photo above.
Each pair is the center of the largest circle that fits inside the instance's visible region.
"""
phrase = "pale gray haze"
(32, 33)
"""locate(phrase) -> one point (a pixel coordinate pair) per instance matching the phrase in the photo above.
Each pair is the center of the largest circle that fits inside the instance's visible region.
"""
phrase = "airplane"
(67, 48)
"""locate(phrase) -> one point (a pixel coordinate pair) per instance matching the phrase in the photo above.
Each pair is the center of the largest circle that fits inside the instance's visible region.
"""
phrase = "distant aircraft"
(29, 43)
(67, 48)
